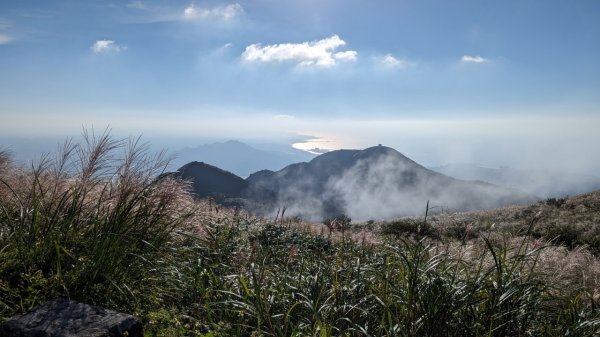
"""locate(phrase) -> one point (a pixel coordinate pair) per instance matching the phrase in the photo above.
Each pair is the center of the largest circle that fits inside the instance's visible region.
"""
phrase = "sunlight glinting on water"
(318, 145)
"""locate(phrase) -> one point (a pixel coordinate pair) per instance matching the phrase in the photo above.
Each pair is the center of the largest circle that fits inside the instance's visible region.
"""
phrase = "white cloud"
(283, 117)
(106, 46)
(5, 39)
(391, 62)
(473, 59)
(222, 12)
(349, 55)
(314, 53)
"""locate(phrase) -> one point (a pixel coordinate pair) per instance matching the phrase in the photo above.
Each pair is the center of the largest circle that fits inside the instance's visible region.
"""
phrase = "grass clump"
(92, 224)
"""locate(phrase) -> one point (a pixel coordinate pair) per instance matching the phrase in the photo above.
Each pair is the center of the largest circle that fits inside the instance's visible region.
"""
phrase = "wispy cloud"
(5, 39)
(391, 62)
(221, 12)
(319, 53)
(4, 24)
(149, 12)
(283, 117)
(106, 46)
(137, 5)
(473, 59)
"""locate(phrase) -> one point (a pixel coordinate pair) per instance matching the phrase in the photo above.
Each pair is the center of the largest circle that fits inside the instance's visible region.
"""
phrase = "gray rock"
(65, 318)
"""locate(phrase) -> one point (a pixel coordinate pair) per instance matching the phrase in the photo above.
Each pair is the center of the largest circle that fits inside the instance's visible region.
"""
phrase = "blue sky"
(486, 81)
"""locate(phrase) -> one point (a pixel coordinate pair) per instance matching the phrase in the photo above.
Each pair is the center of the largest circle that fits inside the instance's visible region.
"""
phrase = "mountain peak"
(199, 165)
(377, 182)
(380, 150)
(233, 142)
(209, 180)
(336, 155)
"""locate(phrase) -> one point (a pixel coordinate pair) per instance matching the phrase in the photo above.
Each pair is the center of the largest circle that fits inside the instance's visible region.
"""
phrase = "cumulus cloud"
(321, 53)
(221, 12)
(391, 62)
(473, 59)
(4, 39)
(106, 46)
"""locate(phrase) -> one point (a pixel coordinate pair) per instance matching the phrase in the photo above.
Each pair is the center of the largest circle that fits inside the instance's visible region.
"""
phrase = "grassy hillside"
(571, 221)
(96, 226)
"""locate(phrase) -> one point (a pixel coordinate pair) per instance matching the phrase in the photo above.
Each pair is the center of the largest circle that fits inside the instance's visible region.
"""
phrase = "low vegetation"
(572, 222)
(97, 226)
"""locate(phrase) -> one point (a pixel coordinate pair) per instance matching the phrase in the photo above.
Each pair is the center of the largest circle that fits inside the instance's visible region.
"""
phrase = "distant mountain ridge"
(240, 158)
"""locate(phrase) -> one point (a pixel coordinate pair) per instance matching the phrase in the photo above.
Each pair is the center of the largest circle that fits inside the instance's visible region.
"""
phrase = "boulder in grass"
(65, 318)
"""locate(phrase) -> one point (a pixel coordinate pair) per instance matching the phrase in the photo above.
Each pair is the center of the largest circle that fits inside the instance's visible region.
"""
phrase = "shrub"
(556, 202)
(338, 223)
(409, 227)
(462, 231)
(569, 235)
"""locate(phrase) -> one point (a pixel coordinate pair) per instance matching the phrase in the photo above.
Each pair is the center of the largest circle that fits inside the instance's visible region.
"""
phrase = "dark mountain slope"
(225, 187)
(208, 180)
(378, 182)
(308, 176)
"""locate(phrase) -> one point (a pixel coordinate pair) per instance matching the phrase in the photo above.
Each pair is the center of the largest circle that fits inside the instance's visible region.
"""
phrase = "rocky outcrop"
(65, 318)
